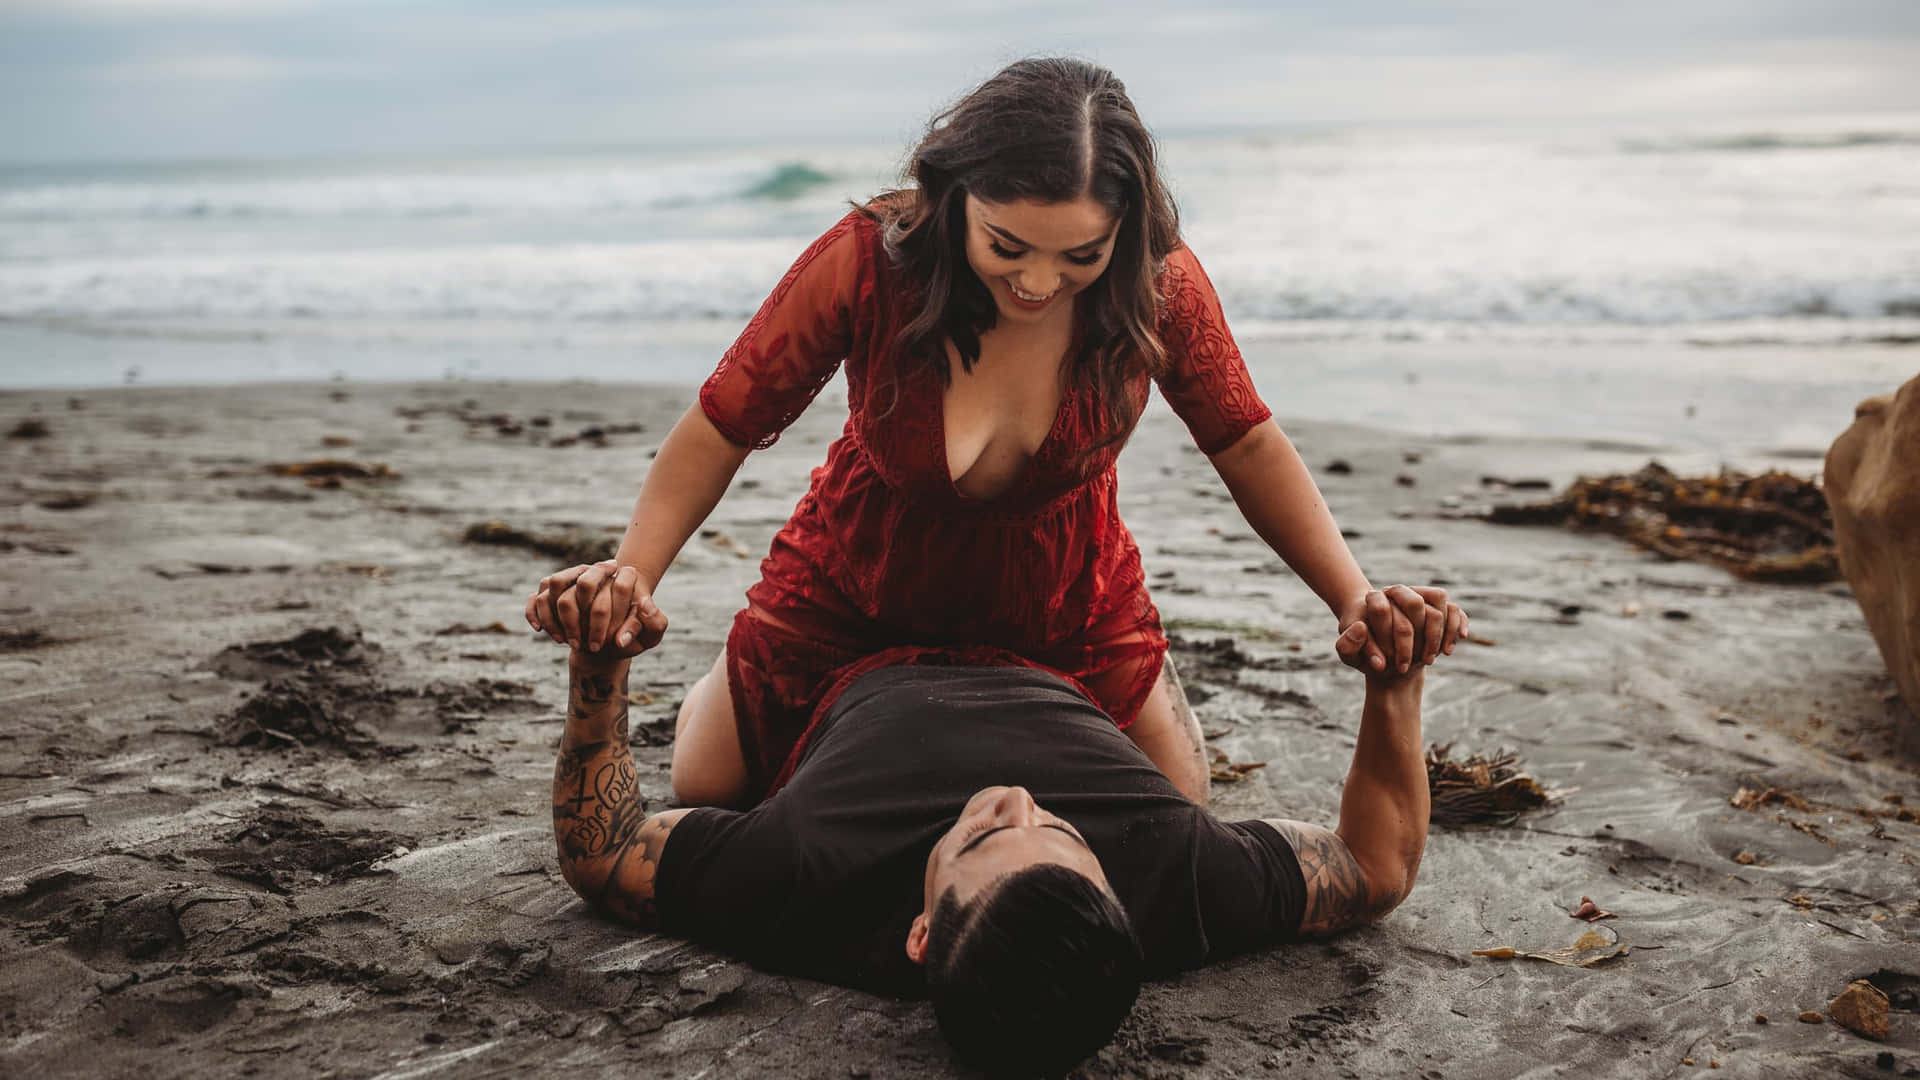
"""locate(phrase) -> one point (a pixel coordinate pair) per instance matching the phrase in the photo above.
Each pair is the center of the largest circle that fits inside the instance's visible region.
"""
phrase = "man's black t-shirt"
(824, 878)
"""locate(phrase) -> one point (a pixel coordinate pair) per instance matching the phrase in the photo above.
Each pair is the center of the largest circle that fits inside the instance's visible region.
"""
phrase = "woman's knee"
(708, 767)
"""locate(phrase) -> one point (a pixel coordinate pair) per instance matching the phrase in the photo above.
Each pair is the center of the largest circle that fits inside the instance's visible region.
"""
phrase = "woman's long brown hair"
(1046, 130)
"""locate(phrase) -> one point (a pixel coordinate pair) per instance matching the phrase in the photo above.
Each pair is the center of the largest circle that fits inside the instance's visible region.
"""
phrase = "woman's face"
(1048, 251)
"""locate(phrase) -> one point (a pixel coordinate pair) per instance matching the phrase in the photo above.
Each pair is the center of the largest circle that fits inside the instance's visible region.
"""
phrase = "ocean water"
(1712, 250)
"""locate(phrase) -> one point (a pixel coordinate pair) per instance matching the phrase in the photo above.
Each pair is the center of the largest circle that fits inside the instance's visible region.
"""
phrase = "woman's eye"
(1077, 260)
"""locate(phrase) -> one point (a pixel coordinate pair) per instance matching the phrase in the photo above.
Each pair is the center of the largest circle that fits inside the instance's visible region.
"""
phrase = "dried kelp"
(567, 547)
(332, 469)
(1228, 771)
(1771, 527)
(1479, 789)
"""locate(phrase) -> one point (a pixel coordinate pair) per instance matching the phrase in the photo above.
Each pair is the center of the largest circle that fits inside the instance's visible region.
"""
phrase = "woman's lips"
(1031, 305)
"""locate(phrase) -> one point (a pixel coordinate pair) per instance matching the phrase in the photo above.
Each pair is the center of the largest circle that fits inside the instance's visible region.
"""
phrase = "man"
(987, 836)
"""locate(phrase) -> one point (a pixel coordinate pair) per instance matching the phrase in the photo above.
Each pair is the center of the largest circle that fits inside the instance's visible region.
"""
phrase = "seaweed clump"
(1773, 527)
(1479, 789)
(568, 547)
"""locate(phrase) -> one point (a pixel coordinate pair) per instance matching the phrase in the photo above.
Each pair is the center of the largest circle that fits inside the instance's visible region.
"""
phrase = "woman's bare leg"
(1169, 734)
(709, 768)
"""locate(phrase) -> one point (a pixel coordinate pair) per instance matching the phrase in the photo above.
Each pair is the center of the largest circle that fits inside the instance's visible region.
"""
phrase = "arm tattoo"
(609, 848)
(1337, 893)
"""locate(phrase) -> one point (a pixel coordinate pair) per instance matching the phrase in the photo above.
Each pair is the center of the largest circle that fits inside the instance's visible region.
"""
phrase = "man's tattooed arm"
(1364, 869)
(609, 848)
(1338, 894)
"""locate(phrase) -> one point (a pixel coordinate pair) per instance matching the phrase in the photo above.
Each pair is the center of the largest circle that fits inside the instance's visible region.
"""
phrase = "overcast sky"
(136, 79)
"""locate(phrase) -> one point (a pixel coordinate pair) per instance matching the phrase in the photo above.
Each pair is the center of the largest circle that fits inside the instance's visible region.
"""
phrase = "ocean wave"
(1765, 140)
(574, 191)
(707, 278)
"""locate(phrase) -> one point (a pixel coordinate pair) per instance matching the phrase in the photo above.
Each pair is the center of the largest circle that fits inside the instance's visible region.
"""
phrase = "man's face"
(1046, 250)
(1001, 830)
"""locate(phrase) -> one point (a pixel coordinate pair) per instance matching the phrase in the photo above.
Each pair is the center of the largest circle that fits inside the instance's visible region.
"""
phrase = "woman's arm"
(691, 472)
(614, 601)
(1279, 499)
(787, 353)
(1277, 496)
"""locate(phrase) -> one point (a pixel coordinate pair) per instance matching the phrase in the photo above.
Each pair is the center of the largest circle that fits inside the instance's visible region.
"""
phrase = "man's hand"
(1384, 631)
(602, 609)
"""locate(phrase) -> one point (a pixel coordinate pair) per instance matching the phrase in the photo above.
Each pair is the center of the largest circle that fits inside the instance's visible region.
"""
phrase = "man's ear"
(917, 939)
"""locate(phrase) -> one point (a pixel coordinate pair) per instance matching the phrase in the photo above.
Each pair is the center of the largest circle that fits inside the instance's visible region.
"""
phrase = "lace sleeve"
(793, 344)
(1206, 380)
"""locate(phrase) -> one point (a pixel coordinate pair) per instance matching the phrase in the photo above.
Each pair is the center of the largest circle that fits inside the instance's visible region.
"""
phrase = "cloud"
(116, 78)
(219, 67)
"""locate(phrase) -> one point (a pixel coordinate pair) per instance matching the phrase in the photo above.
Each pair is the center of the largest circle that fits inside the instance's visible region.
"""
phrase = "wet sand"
(276, 785)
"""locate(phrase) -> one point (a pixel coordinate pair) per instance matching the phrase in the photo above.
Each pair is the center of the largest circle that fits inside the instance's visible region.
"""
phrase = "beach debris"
(1480, 788)
(335, 442)
(1746, 858)
(1812, 1016)
(330, 472)
(1588, 911)
(596, 435)
(723, 542)
(567, 547)
(494, 627)
(1760, 1018)
(1862, 1009)
(1528, 483)
(67, 500)
(1228, 771)
(1590, 948)
(22, 640)
(30, 428)
(1873, 482)
(1772, 527)
(1406, 480)
(1748, 799)
(1339, 467)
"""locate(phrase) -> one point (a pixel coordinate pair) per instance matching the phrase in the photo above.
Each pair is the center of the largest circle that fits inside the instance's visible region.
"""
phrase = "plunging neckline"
(1025, 474)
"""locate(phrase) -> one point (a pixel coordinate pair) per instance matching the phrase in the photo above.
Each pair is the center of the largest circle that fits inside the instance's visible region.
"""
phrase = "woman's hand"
(598, 607)
(1391, 616)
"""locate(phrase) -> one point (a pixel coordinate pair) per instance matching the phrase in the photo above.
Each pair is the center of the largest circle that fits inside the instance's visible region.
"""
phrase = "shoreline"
(191, 901)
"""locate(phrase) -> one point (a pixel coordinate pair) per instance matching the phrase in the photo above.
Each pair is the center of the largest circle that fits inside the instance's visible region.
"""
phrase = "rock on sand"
(1873, 484)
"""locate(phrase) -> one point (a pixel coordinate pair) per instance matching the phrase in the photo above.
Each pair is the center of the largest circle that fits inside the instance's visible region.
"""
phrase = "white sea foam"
(1801, 235)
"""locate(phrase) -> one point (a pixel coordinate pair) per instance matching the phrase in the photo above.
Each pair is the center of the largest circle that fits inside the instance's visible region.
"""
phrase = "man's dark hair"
(1033, 974)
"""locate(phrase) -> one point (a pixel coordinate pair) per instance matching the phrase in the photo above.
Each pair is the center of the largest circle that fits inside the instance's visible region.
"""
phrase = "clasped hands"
(607, 610)
(1384, 632)
(601, 609)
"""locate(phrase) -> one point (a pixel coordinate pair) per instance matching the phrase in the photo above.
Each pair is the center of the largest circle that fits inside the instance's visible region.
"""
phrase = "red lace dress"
(886, 561)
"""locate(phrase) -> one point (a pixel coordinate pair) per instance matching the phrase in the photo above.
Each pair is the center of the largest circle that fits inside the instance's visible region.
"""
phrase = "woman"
(1000, 322)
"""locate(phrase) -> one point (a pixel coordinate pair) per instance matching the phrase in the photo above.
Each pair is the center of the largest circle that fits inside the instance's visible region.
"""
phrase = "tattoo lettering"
(599, 818)
(1337, 892)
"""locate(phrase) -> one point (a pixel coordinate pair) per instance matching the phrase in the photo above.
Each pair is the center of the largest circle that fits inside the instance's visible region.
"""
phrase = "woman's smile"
(1027, 301)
